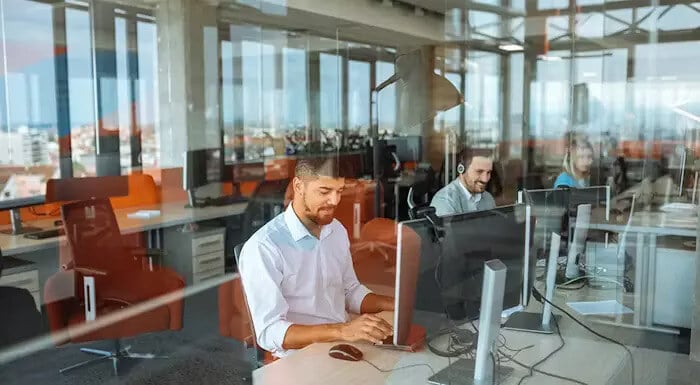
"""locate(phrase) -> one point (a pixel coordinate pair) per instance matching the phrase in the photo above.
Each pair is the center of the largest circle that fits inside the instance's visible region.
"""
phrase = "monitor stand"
(17, 228)
(481, 371)
(462, 371)
(540, 322)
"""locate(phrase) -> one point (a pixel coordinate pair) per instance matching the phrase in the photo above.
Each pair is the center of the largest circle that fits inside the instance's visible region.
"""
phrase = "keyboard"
(50, 233)
(225, 200)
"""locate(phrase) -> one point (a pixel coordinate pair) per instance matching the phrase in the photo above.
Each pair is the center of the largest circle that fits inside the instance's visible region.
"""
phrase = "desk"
(648, 226)
(583, 358)
(172, 214)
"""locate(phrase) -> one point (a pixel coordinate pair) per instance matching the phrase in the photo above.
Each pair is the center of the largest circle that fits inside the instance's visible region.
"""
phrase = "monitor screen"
(24, 186)
(451, 272)
(203, 167)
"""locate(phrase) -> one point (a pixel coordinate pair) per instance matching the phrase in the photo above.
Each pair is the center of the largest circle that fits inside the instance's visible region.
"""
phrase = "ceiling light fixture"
(510, 47)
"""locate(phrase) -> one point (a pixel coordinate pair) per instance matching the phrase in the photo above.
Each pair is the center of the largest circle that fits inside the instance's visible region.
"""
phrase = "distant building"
(25, 147)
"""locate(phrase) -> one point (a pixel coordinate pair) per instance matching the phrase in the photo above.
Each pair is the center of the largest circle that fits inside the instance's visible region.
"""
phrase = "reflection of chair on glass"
(374, 254)
(267, 201)
(234, 318)
(20, 320)
(96, 297)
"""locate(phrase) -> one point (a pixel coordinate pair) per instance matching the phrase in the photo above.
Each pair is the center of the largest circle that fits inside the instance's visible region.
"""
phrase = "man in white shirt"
(467, 192)
(297, 271)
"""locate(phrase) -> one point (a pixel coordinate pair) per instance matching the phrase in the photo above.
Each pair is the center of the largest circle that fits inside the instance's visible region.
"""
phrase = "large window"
(147, 43)
(387, 97)
(81, 92)
(296, 97)
(331, 88)
(358, 96)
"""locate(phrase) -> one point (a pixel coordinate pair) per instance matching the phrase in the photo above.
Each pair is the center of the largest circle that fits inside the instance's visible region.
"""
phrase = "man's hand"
(367, 327)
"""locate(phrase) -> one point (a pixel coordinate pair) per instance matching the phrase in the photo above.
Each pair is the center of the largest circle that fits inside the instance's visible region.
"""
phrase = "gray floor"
(197, 355)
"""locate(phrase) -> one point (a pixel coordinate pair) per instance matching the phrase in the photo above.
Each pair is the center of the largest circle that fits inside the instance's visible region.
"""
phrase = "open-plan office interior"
(205, 191)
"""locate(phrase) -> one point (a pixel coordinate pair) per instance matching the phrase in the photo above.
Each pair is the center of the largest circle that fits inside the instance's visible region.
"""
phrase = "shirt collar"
(297, 229)
(472, 197)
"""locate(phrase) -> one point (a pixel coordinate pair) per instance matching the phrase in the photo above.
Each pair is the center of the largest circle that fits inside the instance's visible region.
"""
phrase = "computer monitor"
(202, 167)
(408, 148)
(22, 187)
(450, 271)
(247, 171)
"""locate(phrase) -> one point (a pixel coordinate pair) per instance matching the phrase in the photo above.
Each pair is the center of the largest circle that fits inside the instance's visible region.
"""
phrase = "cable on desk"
(539, 297)
(399, 368)
(548, 356)
(456, 346)
(504, 345)
(542, 371)
(569, 282)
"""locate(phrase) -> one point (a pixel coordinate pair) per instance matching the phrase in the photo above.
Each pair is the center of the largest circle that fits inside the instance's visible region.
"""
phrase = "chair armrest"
(89, 271)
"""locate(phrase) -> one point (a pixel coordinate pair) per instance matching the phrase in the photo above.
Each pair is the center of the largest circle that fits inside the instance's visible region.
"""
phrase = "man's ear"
(298, 185)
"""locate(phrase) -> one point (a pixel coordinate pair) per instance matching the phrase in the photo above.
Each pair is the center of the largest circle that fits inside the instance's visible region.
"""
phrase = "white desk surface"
(585, 359)
(171, 214)
(656, 222)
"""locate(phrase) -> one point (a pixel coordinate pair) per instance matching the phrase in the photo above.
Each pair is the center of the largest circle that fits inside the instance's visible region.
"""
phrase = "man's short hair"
(317, 166)
(467, 154)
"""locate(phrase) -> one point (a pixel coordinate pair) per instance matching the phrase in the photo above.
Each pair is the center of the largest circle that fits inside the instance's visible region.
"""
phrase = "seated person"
(468, 191)
(577, 164)
(298, 275)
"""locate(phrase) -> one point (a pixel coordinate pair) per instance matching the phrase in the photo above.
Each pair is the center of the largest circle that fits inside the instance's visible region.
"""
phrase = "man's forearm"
(375, 303)
(299, 336)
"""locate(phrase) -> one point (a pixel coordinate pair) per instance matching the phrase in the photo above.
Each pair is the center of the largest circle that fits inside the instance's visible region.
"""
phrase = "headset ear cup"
(460, 168)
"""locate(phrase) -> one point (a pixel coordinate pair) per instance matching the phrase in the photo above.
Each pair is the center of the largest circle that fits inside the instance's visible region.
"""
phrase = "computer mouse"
(345, 352)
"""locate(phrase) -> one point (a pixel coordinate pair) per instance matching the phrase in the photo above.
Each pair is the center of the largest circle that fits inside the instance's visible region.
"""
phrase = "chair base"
(116, 356)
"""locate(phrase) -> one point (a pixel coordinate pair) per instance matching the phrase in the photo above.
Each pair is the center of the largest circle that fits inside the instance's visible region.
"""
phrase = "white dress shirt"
(472, 198)
(291, 277)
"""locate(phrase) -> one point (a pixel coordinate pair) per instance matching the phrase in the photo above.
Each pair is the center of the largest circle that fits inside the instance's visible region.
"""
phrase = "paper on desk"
(610, 307)
(144, 214)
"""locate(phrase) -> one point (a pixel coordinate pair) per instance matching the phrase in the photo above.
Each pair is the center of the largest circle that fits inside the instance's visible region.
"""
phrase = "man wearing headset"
(468, 191)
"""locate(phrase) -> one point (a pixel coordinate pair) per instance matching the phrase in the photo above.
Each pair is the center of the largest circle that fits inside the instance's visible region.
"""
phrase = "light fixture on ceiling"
(510, 47)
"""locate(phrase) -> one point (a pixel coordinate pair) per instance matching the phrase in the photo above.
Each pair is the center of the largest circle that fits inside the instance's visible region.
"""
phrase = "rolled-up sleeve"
(262, 276)
(355, 292)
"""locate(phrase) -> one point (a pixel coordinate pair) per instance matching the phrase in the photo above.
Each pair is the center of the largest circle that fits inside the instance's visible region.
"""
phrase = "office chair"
(421, 192)
(103, 283)
(266, 202)
(235, 320)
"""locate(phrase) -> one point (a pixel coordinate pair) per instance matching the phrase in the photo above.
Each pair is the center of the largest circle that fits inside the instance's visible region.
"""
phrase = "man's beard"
(315, 218)
(476, 188)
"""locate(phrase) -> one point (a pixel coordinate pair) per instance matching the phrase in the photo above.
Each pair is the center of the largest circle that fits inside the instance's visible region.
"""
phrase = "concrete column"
(188, 78)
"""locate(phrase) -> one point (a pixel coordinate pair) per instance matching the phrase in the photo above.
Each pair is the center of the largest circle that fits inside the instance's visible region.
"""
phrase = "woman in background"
(577, 164)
